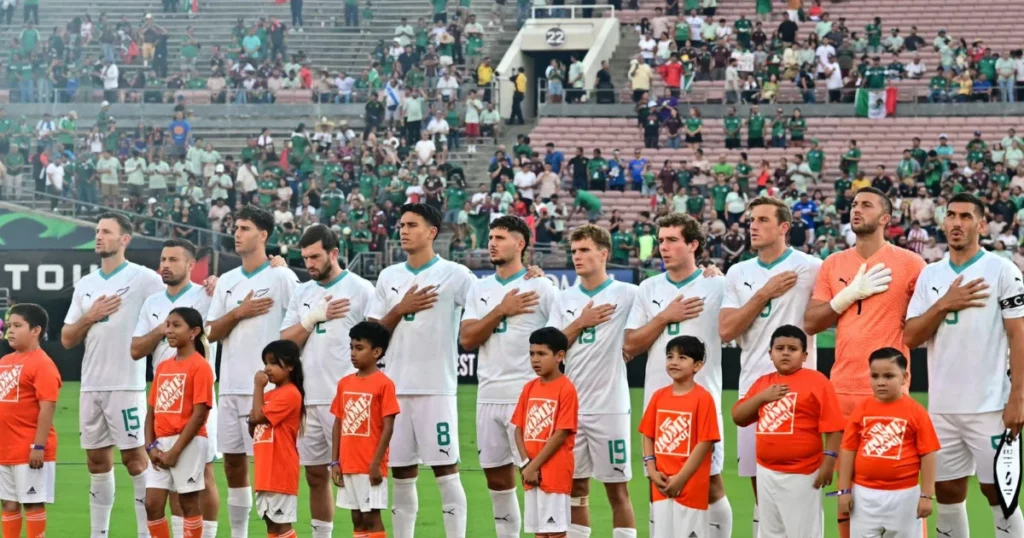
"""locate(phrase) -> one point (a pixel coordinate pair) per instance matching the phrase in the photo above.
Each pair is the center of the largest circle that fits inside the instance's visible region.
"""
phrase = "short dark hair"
(376, 334)
(33, 314)
(318, 233)
(514, 224)
(790, 331)
(429, 214)
(886, 202)
(890, 354)
(691, 346)
(122, 221)
(185, 244)
(782, 211)
(551, 337)
(968, 198)
(687, 225)
(261, 218)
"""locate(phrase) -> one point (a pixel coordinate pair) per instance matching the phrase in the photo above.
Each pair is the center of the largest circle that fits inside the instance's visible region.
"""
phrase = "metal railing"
(367, 264)
(572, 12)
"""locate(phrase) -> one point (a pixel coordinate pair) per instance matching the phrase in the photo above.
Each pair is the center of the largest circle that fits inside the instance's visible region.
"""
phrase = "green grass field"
(70, 515)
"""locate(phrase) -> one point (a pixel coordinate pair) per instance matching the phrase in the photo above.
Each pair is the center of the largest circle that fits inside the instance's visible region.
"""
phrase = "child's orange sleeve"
(336, 404)
(518, 416)
(202, 388)
(279, 407)
(388, 400)
(708, 420)
(927, 440)
(47, 382)
(831, 418)
(568, 409)
(647, 425)
(852, 433)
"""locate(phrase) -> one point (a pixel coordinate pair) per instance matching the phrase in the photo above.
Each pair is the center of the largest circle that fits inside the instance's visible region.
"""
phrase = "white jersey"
(241, 355)
(154, 313)
(503, 361)
(654, 295)
(107, 364)
(594, 363)
(326, 356)
(747, 278)
(423, 353)
(967, 356)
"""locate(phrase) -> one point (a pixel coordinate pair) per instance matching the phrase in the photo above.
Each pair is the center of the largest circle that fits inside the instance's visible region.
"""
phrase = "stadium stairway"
(992, 23)
(881, 142)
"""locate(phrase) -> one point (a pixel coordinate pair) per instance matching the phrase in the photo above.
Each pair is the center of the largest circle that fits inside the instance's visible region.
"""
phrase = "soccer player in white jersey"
(593, 316)
(502, 311)
(683, 301)
(761, 295)
(420, 302)
(969, 308)
(245, 315)
(177, 259)
(112, 404)
(318, 320)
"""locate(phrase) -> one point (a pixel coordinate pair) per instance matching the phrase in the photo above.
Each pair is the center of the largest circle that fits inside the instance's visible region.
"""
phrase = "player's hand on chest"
(679, 308)
(963, 293)
(412, 297)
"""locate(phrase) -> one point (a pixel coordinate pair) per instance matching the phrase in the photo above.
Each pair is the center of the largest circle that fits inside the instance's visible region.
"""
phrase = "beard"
(174, 280)
(106, 253)
(324, 272)
(865, 228)
(498, 262)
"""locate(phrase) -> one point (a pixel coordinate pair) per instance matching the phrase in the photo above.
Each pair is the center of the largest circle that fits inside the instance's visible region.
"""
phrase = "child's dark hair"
(376, 334)
(194, 320)
(689, 346)
(551, 337)
(890, 354)
(33, 314)
(287, 354)
(790, 331)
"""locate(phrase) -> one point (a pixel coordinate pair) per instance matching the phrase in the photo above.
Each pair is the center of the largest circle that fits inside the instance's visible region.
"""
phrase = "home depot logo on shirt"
(10, 383)
(170, 393)
(674, 433)
(778, 417)
(884, 437)
(357, 414)
(263, 433)
(540, 419)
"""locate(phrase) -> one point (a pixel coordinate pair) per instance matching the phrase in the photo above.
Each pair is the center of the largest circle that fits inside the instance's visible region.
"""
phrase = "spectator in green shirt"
(623, 244)
(938, 87)
(732, 123)
(719, 191)
(586, 201)
(360, 238)
(695, 204)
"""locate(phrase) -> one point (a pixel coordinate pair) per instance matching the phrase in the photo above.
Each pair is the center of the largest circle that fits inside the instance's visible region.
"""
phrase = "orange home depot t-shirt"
(273, 444)
(789, 429)
(543, 409)
(890, 439)
(178, 385)
(873, 323)
(361, 404)
(25, 380)
(677, 424)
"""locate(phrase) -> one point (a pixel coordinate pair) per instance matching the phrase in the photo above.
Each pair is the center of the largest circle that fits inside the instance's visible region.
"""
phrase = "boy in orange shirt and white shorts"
(364, 408)
(546, 418)
(793, 408)
(680, 428)
(887, 475)
(29, 386)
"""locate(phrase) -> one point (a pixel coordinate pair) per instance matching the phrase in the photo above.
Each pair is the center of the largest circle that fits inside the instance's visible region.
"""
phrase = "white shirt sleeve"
(291, 314)
(1011, 291)
(638, 316)
(142, 325)
(466, 278)
(919, 303)
(557, 317)
(378, 304)
(731, 299)
(217, 308)
(75, 312)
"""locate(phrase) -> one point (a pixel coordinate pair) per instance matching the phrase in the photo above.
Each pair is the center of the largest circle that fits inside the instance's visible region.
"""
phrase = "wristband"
(152, 445)
(838, 493)
(38, 447)
(649, 459)
(830, 453)
(929, 497)
(334, 463)
(525, 463)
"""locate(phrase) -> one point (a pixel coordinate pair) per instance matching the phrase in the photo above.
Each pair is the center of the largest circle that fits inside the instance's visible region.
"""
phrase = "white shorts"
(112, 418)
(545, 512)
(277, 507)
(968, 445)
(746, 450)
(187, 475)
(670, 519)
(788, 505)
(233, 424)
(358, 494)
(426, 431)
(315, 444)
(22, 484)
(892, 513)
(602, 448)
(496, 435)
(211, 432)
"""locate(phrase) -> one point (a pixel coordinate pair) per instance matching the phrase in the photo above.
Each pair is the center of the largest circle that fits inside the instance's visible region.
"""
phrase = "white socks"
(578, 531)
(623, 533)
(101, 502)
(239, 506)
(453, 505)
(139, 485)
(720, 518)
(951, 521)
(756, 521)
(405, 504)
(1010, 527)
(322, 529)
(506, 513)
(209, 529)
(177, 526)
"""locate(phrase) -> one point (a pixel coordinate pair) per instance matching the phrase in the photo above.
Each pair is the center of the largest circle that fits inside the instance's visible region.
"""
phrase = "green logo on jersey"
(587, 336)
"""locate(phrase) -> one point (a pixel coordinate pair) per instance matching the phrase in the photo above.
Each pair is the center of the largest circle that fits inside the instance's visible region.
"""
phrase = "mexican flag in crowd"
(876, 104)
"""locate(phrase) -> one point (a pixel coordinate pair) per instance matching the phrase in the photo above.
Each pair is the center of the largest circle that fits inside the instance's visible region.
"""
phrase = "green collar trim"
(685, 281)
(960, 268)
(333, 282)
(599, 289)
(509, 280)
(424, 267)
(178, 295)
(114, 272)
(777, 261)
(256, 271)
